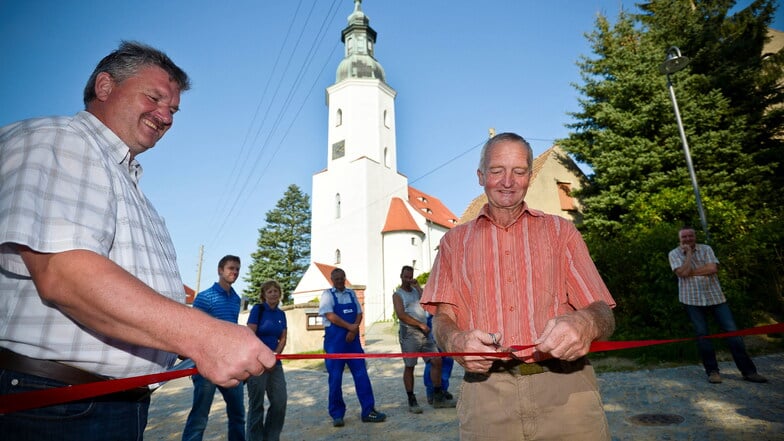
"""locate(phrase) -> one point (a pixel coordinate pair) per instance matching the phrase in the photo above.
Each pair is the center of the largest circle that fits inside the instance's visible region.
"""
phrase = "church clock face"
(338, 149)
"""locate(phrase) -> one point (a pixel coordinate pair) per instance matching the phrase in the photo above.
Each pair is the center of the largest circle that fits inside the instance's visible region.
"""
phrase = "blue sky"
(255, 120)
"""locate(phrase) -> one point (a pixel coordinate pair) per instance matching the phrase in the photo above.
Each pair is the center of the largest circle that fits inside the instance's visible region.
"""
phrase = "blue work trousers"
(447, 363)
(335, 343)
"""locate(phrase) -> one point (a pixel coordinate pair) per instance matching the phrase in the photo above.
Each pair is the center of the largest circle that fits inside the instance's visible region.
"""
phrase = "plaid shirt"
(514, 279)
(697, 290)
(68, 183)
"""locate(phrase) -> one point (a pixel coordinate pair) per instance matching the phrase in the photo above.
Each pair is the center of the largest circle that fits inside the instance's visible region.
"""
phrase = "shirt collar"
(485, 213)
(113, 146)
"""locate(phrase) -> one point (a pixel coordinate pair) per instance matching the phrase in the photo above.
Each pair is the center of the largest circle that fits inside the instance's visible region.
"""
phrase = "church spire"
(359, 39)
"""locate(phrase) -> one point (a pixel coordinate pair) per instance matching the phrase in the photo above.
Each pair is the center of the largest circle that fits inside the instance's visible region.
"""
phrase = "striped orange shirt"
(514, 279)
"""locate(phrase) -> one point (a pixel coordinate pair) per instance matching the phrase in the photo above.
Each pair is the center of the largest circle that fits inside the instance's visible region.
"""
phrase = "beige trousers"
(546, 406)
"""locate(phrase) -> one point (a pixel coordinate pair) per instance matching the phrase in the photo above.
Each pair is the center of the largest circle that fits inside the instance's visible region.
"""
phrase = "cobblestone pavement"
(733, 410)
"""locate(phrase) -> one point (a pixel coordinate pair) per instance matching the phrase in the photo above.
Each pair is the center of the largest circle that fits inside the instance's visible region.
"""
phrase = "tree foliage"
(284, 246)
(729, 98)
(731, 101)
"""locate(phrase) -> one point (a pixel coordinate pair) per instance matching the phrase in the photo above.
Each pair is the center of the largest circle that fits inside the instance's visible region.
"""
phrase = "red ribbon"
(48, 397)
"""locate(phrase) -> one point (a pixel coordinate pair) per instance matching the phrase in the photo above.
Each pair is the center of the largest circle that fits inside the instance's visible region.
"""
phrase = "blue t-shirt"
(273, 322)
(218, 303)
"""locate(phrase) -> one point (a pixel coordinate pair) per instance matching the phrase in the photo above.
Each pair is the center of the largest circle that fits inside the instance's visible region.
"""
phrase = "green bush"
(635, 267)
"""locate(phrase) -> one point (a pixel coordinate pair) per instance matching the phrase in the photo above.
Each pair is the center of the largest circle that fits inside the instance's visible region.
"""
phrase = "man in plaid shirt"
(698, 289)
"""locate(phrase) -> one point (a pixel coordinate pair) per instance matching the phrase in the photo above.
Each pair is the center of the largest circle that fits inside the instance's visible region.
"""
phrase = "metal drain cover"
(656, 419)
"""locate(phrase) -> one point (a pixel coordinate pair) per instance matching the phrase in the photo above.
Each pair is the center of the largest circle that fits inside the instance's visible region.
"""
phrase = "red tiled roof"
(189, 294)
(431, 208)
(399, 218)
(326, 270)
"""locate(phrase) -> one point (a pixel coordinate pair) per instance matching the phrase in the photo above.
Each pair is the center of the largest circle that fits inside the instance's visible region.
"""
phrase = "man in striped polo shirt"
(519, 277)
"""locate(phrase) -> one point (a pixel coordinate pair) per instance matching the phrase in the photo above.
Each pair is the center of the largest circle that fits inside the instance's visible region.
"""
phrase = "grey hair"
(126, 61)
(501, 137)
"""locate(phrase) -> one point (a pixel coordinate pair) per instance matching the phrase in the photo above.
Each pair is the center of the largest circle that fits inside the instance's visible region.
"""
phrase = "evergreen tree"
(284, 246)
(626, 130)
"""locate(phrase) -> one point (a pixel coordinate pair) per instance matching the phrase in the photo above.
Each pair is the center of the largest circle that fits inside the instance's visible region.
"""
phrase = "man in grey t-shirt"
(415, 337)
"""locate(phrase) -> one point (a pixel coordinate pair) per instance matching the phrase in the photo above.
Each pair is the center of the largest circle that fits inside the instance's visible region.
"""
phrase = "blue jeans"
(261, 427)
(698, 316)
(82, 420)
(203, 393)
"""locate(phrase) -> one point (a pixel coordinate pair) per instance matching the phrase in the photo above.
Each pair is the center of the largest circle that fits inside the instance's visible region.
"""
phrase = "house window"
(565, 197)
(315, 321)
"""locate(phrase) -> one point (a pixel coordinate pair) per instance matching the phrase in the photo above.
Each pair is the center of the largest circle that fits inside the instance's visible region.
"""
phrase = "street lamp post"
(673, 63)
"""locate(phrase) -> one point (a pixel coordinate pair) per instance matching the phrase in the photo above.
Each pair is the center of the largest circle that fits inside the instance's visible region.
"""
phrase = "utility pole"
(198, 272)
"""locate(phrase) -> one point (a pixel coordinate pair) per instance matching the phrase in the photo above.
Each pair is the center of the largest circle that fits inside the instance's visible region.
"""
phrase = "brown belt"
(65, 374)
(521, 368)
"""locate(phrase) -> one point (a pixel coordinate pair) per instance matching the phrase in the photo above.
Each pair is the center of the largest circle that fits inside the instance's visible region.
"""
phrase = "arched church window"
(337, 256)
(339, 118)
(349, 46)
(337, 206)
(386, 156)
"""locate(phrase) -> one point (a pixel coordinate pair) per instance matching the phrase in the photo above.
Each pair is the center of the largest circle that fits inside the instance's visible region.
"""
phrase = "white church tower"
(362, 219)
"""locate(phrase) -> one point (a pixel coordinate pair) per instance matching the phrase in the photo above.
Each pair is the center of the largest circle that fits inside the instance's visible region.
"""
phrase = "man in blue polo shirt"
(221, 302)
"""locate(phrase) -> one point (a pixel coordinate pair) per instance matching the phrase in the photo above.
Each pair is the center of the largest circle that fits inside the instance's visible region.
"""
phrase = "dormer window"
(565, 197)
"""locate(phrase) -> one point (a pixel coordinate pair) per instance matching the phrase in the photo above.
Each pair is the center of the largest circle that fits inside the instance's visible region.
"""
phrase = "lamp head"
(674, 62)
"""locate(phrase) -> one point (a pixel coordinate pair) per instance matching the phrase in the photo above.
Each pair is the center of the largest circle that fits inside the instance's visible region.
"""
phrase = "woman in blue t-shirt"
(269, 323)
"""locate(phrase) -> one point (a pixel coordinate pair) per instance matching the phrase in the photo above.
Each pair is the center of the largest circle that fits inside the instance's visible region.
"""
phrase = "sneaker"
(338, 422)
(714, 378)
(413, 406)
(755, 378)
(374, 417)
(429, 399)
(440, 401)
